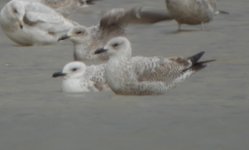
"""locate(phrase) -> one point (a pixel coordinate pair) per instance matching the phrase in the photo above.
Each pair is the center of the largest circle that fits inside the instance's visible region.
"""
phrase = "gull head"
(118, 46)
(72, 70)
(77, 35)
(15, 11)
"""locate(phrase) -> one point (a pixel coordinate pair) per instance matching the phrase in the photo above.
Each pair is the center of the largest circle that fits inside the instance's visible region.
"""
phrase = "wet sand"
(207, 112)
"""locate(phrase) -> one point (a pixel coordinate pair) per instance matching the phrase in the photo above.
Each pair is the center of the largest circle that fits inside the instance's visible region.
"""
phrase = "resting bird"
(127, 75)
(87, 39)
(77, 77)
(32, 23)
(192, 12)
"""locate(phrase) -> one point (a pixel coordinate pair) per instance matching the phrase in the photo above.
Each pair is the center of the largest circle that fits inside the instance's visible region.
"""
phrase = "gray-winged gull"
(32, 23)
(192, 12)
(129, 75)
(77, 77)
(87, 39)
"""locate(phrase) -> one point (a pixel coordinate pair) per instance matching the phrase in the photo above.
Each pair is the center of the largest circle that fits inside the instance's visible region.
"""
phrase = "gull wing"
(159, 69)
(45, 18)
(119, 17)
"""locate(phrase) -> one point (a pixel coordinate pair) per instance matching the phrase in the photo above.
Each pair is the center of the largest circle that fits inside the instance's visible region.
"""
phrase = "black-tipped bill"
(58, 74)
(101, 50)
(64, 37)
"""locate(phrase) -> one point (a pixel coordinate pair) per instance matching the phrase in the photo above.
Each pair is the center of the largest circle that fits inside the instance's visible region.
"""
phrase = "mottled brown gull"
(87, 39)
(129, 75)
(192, 12)
(32, 23)
(77, 77)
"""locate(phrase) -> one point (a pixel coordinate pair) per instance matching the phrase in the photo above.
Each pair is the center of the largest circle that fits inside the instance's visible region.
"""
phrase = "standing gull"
(87, 39)
(129, 75)
(192, 12)
(77, 77)
(32, 23)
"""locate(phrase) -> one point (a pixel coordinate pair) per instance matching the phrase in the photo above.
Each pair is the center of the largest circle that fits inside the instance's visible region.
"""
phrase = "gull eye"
(79, 32)
(74, 69)
(115, 45)
(15, 10)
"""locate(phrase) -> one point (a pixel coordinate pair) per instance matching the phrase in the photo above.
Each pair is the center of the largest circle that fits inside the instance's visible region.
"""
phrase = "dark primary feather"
(196, 57)
(196, 64)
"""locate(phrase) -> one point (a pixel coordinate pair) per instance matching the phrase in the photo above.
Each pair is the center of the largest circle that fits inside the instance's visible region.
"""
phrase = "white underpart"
(77, 86)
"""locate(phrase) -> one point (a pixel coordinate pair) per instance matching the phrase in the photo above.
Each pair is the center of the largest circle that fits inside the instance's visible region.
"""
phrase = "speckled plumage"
(112, 24)
(77, 77)
(139, 75)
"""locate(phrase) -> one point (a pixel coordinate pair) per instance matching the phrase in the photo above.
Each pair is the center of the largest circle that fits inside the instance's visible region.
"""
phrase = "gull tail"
(196, 64)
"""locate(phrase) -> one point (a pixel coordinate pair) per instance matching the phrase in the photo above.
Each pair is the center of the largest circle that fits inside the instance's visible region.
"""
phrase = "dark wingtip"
(201, 64)
(194, 59)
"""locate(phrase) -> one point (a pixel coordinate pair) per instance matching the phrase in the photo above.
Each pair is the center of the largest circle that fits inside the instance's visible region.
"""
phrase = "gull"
(65, 6)
(193, 12)
(77, 77)
(32, 23)
(87, 39)
(127, 75)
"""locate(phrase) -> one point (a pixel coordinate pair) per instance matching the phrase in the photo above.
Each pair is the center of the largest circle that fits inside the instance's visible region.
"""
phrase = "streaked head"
(78, 34)
(75, 69)
(118, 46)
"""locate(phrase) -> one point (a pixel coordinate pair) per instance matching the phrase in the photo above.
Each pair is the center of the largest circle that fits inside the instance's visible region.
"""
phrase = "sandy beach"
(209, 111)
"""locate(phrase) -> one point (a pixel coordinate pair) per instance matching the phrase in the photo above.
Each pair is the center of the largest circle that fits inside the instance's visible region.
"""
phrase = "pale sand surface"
(209, 111)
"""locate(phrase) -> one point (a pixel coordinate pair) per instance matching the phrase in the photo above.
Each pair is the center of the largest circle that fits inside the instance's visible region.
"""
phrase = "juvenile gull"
(77, 77)
(129, 75)
(87, 39)
(32, 23)
(192, 12)
(65, 7)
